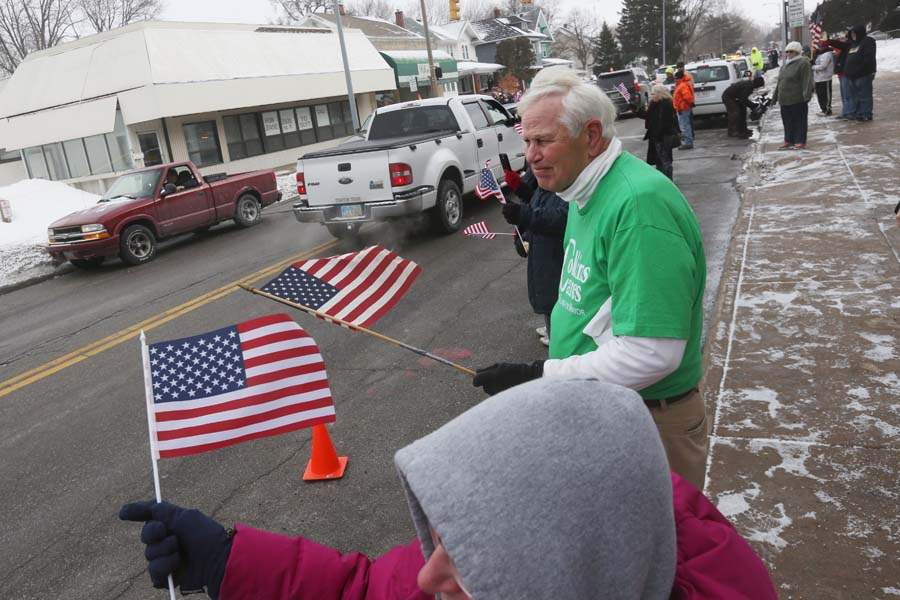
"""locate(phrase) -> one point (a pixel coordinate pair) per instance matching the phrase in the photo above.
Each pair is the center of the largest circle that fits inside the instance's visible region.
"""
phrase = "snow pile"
(888, 55)
(35, 203)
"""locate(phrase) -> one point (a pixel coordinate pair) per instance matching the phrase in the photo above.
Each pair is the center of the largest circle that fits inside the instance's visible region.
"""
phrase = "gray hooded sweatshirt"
(554, 489)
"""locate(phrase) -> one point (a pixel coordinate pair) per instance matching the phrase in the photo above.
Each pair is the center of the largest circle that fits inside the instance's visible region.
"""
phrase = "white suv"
(711, 79)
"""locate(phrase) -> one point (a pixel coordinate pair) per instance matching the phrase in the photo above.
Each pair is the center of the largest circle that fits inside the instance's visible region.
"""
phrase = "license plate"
(351, 211)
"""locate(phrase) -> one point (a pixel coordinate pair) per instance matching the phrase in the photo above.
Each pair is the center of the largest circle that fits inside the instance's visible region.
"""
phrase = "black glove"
(502, 376)
(520, 247)
(183, 543)
(511, 212)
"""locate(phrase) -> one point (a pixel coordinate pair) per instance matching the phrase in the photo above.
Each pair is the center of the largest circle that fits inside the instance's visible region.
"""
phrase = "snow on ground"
(287, 183)
(888, 55)
(35, 203)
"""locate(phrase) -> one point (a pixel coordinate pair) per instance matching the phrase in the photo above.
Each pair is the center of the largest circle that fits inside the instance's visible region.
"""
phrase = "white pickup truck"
(414, 157)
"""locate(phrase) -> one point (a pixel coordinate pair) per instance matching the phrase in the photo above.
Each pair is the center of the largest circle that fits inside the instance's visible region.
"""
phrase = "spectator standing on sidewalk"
(496, 519)
(823, 70)
(756, 60)
(541, 220)
(773, 58)
(662, 133)
(630, 307)
(736, 98)
(683, 101)
(860, 69)
(841, 46)
(793, 92)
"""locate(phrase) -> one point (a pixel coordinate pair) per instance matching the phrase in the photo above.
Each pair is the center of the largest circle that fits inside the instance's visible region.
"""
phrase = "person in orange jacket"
(683, 101)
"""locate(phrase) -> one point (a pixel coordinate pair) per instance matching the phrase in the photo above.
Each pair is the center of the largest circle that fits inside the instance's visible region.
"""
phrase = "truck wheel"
(137, 245)
(247, 211)
(343, 231)
(448, 209)
(88, 263)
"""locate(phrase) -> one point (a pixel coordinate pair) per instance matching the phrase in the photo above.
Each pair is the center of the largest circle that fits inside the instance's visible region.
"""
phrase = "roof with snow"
(370, 26)
(435, 33)
(502, 28)
(161, 69)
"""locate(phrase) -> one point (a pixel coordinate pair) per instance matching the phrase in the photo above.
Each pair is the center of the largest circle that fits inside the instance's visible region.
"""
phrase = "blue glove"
(183, 543)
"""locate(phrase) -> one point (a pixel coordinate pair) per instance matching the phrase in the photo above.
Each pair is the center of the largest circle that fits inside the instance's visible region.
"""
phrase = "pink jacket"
(714, 563)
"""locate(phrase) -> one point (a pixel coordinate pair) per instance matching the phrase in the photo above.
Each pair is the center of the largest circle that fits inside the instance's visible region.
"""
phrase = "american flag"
(480, 229)
(815, 29)
(518, 128)
(624, 91)
(487, 186)
(358, 287)
(255, 379)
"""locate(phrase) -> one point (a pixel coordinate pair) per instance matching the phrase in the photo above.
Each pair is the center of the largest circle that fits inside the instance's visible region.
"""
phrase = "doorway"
(149, 143)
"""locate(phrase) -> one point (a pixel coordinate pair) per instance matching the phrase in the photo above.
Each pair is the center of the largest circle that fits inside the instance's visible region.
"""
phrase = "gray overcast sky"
(261, 11)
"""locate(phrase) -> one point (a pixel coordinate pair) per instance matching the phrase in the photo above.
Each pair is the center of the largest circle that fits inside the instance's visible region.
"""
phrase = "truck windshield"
(609, 81)
(707, 74)
(416, 120)
(133, 185)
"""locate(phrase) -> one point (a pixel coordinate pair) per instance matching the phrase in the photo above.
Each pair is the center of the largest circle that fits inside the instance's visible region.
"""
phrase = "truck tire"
(88, 263)
(247, 211)
(137, 245)
(448, 208)
(344, 231)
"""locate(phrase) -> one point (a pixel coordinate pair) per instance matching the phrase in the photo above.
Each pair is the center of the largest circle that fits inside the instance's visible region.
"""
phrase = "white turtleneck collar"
(584, 185)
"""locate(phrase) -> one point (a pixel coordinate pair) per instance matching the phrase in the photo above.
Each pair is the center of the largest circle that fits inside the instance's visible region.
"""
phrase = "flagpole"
(358, 328)
(154, 450)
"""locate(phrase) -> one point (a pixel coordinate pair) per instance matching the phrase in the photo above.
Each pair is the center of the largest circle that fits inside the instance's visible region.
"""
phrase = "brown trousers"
(684, 430)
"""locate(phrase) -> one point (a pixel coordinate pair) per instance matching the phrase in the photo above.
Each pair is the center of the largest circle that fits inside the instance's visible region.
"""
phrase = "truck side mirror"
(169, 188)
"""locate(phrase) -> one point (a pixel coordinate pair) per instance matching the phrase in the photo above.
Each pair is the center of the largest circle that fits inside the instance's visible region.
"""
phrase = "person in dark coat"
(662, 133)
(736, 99)
(773, 58)
(541, 220)
(841, 46)
(860, 70)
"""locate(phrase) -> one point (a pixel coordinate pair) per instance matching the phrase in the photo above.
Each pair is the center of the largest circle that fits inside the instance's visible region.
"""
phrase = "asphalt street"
(73, 433)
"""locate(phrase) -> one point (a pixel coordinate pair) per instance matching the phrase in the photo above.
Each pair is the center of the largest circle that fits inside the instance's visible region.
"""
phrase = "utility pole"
(347, 78)
(664, 63)
(434, 87)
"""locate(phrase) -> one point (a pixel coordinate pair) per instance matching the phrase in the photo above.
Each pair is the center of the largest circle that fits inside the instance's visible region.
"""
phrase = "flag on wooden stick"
(482, 230)
(487, 186)
(255, 379)
(358, 287)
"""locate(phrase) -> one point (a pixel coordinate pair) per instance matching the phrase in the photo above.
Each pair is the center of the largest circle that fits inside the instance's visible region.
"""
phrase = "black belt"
(668, 401)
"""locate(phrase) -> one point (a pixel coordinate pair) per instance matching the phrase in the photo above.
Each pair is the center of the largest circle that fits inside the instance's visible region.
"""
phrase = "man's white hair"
(581, 101)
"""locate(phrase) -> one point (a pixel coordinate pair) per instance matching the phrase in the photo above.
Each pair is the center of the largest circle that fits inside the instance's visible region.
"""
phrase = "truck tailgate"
(351, 179)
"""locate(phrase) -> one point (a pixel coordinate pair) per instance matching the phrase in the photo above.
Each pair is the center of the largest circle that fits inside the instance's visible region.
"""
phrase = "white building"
(229, 97)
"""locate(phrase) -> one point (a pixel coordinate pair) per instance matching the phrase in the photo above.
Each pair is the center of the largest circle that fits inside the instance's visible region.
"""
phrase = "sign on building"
(270, 123)
(795, 13)
(424, 72)
(322, 115)
(304, 118)
(413, 85)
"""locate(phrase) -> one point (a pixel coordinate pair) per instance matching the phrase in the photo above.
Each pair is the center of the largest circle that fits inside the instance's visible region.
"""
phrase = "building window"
(34, 161)
(98, 154)
(119, 146)
(77, 158)
(9, 156)
(272, 131)
(56, 161)
(202, 142)
(242, 133)
(149, 143)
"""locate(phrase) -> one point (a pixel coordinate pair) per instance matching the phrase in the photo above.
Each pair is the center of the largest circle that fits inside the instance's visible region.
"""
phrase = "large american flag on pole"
(815, 29)
(255, 379)
(358, 287)
(487, 186)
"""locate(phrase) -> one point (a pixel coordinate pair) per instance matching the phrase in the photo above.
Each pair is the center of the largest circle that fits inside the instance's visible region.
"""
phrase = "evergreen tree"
(640, 29)
(838, 15)
(517, 55)
(606, 51)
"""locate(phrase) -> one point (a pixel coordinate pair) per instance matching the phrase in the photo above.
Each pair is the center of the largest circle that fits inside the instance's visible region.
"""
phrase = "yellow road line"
(76, 356)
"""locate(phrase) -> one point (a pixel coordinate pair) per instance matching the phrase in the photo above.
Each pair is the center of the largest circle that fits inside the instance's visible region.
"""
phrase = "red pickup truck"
(144, 206)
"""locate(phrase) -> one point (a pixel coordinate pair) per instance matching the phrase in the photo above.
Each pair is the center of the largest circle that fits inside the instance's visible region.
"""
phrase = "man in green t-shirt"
(630, 307)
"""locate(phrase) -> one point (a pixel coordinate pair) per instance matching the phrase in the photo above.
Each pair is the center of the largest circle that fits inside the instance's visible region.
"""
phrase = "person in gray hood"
(552, 489)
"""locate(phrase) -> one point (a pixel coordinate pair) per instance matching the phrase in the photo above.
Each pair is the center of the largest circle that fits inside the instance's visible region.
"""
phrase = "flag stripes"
(479, 229)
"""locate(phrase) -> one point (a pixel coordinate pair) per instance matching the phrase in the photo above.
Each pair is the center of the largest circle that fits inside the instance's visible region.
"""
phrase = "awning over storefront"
(477, 68)
(413, 65)
(82, 119)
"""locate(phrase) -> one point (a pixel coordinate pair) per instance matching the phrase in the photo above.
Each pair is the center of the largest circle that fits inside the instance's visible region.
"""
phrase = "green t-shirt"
(636, 244)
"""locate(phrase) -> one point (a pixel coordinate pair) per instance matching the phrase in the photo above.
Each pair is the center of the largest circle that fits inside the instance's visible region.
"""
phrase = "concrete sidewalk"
(803, 358)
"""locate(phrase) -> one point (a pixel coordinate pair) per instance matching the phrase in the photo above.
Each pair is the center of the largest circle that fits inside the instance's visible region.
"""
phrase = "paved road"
(74, 442)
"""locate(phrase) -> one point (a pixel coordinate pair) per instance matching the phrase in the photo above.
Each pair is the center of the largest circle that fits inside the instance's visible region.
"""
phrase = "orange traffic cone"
(324, 463)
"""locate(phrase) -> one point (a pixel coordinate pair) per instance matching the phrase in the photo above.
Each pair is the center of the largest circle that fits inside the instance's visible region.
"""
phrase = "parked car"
(419, 156)
(144, 206)
(637, 85)
(742, 66)
(711, 79)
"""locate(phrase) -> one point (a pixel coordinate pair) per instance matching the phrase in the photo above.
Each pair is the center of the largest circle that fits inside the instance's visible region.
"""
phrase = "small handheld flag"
(482, 230)
(358, 287)
(487, 186)
(518, 127)
(255, 379)
(624, 91)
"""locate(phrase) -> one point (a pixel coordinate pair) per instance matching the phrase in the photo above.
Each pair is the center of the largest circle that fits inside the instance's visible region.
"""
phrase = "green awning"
(406, 66)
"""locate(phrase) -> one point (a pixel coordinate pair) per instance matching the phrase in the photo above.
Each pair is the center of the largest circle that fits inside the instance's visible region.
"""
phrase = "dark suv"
(635, 82)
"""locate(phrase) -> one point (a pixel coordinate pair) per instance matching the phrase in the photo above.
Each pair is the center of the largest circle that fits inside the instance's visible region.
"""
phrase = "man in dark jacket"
(860, 70)
(736, 100)
(841, 46)
(542, 222)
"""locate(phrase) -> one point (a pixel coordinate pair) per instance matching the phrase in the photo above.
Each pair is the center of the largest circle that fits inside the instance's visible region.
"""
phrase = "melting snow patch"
(891, 590)
(826, 498)
(736, 503)
(793, 457)
(772, 535)
(763, 394)
(884, 347)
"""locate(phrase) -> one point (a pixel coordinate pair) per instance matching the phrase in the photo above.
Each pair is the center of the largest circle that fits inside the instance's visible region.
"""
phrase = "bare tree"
(694, 13)
(477, 10)
(294, 11)
(438, 11)
(573, 40)
(30, 25)
(103, 15)
(383, 9)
